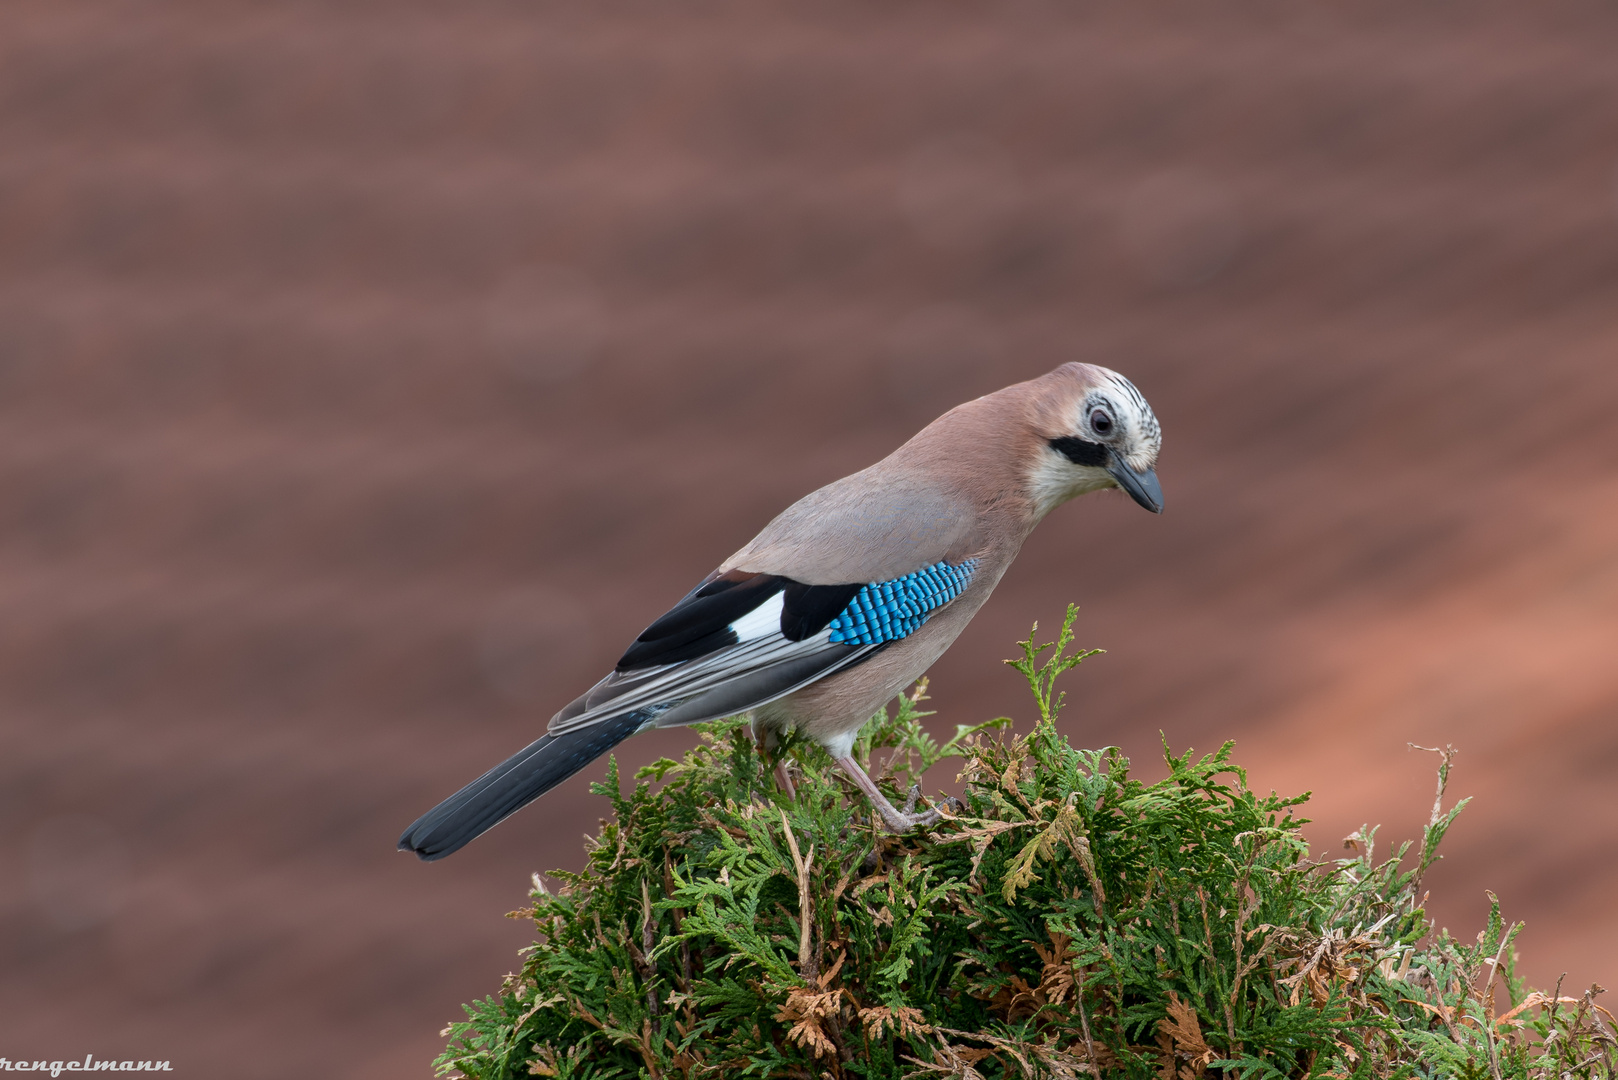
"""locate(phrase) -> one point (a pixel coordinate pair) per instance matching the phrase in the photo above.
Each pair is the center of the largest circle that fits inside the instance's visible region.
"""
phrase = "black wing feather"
(700, 624)
(809, 609)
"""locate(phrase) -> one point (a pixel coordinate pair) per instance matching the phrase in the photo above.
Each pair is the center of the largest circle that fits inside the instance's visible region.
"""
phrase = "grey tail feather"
(512, 785)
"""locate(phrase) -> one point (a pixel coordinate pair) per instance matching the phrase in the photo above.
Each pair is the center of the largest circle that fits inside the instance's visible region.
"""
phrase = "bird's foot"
(901, 822)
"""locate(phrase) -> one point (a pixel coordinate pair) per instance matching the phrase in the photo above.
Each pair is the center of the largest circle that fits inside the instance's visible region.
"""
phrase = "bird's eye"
(1101, 422)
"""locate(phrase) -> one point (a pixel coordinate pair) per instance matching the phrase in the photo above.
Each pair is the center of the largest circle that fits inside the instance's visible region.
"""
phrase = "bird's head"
(1097, 432)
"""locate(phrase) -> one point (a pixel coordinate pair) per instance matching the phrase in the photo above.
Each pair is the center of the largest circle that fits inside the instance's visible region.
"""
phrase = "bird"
(845, 598)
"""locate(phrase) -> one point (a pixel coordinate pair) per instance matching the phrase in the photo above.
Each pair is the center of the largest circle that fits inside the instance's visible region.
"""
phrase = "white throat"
(1054, 480)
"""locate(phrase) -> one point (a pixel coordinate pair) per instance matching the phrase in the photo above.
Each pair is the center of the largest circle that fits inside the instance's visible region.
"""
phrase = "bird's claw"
(902, 821)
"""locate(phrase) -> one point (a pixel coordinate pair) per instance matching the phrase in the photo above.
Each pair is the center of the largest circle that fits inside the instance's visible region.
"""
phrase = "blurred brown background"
(369, 377)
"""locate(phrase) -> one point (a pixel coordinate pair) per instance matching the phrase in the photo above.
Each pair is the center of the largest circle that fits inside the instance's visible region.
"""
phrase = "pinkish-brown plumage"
(777, 630)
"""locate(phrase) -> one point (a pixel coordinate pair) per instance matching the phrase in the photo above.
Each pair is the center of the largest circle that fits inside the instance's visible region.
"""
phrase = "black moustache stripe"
(1080, 452)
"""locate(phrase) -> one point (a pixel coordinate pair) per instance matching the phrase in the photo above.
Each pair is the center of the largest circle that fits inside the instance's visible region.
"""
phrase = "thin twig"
(808, 966)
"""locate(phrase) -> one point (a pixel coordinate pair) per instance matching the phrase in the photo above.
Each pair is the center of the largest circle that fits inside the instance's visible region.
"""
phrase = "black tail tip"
(423, 848)
(512, 785)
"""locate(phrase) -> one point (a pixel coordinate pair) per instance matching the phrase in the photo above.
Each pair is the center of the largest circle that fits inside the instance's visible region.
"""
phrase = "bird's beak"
(1142, 486)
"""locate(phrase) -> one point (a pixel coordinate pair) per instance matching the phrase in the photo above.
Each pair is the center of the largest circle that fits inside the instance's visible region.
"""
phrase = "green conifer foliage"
(1064, 920)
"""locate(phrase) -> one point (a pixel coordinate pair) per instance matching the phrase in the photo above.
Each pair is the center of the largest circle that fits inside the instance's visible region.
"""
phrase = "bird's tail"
(512, 785)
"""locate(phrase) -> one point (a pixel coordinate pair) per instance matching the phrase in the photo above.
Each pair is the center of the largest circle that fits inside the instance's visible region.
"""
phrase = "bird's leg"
(784, 779)
(896, 819)
(768, 747)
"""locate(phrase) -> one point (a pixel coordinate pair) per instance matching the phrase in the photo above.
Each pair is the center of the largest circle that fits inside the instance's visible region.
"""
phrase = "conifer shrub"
(1065, 919)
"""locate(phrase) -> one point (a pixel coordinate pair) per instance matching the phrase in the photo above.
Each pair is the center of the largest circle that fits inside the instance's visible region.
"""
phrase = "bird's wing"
(742, 639)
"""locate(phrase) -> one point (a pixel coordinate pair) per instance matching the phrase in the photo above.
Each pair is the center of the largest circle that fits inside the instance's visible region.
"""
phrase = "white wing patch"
(762, 621)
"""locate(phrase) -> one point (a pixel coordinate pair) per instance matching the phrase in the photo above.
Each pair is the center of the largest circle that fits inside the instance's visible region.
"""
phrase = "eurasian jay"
(848, 596)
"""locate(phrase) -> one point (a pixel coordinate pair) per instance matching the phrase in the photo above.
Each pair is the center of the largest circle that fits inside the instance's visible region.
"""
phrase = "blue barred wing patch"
(889, 610)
